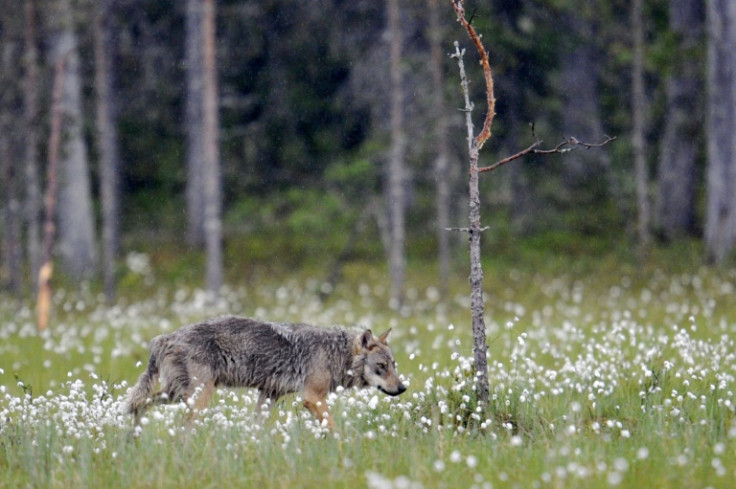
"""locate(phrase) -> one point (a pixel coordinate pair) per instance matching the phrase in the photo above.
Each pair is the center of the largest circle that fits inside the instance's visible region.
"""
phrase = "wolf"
(275, 358)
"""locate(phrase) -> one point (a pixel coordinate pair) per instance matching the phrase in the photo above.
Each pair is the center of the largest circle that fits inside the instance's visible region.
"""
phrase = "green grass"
(604, 372)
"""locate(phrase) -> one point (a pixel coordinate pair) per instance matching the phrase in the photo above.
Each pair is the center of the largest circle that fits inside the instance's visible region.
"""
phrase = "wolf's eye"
(380, 368)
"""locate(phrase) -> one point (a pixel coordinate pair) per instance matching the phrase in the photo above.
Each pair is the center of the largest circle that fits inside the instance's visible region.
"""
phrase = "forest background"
(277, 134)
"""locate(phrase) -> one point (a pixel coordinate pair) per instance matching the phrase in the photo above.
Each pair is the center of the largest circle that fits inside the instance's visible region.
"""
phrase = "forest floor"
(604, 371)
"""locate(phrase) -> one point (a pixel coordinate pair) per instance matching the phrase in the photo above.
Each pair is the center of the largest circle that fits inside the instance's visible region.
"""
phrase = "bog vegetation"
(602, 374)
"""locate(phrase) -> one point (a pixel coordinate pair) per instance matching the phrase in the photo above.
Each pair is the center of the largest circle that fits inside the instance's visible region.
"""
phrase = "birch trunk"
(211, 163)
(442, 161)
(638, 110)
(43, 306)
(30, 156)
(675, 204)
(107, 141)
(194, 122)
(396, 163)
(10, 226)
(720, 221)
(76, 221)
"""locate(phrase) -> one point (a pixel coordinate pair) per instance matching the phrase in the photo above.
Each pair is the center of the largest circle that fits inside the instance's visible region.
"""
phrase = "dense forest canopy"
(304, 107)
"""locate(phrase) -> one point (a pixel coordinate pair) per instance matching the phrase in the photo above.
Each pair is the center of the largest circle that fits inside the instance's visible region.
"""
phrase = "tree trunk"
(12, 251)
(638, 112)
(194, 122)
(675, 205)
(720, 221)
(43, 306)
(582, 113)
(396, 163)
(30, 156)
(442, 161)
(211, 162)
(76, 222)
(477, 306)
(107, 141)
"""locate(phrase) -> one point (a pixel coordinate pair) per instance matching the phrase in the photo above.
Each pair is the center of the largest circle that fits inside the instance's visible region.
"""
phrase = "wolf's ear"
(365, 339)
(384, 337)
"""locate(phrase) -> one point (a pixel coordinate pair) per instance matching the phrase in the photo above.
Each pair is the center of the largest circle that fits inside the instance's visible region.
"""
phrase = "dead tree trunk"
(107, 145)
(477, 306)
(475, 229)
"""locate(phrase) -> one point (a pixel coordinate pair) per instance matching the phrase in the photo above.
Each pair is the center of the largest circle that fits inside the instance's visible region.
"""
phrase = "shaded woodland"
(337, 122)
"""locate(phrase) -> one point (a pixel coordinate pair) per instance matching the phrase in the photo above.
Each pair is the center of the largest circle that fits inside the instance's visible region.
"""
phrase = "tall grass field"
(622, 378)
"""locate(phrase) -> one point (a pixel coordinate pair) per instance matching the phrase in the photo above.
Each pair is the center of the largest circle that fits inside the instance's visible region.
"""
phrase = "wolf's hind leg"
(201, 387)
(201, 395)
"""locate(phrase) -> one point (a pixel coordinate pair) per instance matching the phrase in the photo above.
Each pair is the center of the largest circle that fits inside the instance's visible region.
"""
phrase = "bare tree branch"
(564, 146)
(485, 133)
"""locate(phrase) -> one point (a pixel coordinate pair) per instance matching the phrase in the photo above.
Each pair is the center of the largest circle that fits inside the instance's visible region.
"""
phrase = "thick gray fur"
(276, 358)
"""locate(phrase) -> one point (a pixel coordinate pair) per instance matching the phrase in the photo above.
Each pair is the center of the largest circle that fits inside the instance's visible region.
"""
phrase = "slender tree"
(211, 163)
(677, 170)
(638, 111)
(396, 160)
(475, 143)
(107, 141)
(586, 174)
(194, 122)
(720, 219)
(10, 223)
(30, 155)
(46, 271)
(77, 243)
(442, 160)
(202, 129)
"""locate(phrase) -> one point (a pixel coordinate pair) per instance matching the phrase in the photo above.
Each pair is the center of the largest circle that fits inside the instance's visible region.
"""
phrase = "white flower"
(373, 402)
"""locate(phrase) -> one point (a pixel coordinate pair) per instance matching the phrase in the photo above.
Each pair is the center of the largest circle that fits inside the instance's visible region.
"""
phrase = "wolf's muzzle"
(399, 389)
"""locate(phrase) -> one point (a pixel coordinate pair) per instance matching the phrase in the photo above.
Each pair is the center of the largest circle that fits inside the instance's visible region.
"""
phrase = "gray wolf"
(275, 358)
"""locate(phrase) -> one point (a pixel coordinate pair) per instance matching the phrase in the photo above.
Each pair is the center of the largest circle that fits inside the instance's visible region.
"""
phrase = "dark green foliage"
(303, 105)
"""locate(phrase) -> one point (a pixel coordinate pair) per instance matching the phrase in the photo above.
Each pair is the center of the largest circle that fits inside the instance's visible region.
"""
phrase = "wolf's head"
(377, 364)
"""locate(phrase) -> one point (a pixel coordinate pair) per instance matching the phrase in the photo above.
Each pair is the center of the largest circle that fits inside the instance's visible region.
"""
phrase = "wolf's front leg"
(316, 401)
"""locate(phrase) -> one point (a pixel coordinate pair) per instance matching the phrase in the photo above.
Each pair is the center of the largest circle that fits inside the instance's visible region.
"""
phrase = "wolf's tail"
(140, 396)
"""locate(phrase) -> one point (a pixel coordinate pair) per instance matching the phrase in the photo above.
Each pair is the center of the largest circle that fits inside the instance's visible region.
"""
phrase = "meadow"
(605, 376)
